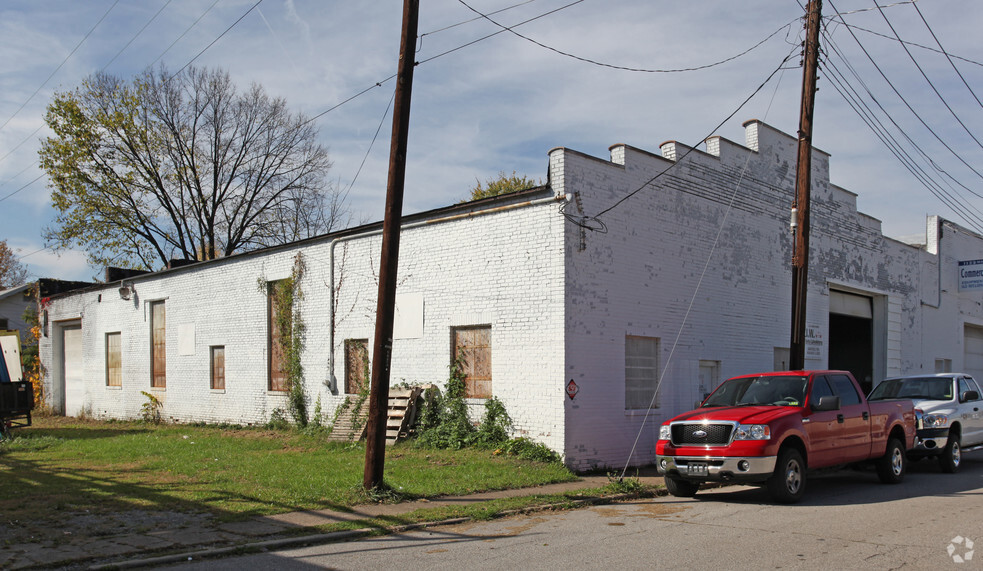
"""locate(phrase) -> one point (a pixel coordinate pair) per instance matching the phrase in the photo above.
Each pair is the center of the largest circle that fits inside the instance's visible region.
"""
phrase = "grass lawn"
(64, 464)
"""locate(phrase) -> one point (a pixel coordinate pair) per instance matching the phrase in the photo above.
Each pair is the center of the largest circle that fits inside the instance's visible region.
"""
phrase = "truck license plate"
(696, 469)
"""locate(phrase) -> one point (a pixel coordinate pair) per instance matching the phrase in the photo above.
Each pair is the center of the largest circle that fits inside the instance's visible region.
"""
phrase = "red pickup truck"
(769, 428)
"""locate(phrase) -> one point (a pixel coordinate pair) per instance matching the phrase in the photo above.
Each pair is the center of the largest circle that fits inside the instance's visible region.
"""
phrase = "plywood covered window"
(114, 360)
(218, 367)
(276, 340)
(356, 365)
(641, 372)
(158, 347)
(472, 350)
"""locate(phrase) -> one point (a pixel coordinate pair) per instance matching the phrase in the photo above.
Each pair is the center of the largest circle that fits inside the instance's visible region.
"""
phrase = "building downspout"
(333, 381)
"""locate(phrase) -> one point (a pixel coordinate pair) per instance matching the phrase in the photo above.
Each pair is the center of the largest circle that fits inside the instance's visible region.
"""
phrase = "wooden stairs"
(351, 427)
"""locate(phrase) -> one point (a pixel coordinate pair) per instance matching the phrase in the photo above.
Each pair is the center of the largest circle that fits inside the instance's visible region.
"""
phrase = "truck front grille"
(701, 434)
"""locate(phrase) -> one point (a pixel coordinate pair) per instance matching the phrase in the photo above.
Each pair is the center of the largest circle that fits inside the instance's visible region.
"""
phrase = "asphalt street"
(847, 520)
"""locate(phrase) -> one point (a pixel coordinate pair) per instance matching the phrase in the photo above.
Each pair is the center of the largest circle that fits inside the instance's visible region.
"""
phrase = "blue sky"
(502, 103)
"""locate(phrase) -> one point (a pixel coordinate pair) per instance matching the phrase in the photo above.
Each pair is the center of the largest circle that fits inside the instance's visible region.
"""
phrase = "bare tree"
(183, 166)
(12, 272)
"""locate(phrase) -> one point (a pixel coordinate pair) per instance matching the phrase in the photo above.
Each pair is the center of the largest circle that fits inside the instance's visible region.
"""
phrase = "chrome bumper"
(720, 468)
(932, 445)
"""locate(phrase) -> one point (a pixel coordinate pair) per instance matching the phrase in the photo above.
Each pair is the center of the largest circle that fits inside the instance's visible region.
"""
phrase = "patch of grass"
(63, 464)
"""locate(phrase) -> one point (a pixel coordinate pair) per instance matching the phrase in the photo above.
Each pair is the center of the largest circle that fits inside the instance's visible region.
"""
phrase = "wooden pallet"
(344, 427)
(400, 417)
(402, 412)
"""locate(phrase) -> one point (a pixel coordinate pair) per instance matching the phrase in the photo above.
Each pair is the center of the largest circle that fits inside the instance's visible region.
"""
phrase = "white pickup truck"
(949, 414)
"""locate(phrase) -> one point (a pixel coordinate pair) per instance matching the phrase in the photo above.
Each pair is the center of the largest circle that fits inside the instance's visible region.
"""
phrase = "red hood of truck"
(739, 414)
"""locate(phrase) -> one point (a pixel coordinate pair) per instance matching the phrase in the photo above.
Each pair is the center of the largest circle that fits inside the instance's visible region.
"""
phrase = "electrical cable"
(947, 56)
(619, 67)
(369, 150)
(872, 32)
(77, 46)
(23, 187)
(699, 283)
(908, 105)
(184, 33)
(680, 159)
(929, 81)
(220, 36)
(882, 132)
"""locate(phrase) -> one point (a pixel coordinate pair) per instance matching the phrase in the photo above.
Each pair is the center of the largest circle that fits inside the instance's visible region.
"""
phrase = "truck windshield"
(764, 390)
(929, 388)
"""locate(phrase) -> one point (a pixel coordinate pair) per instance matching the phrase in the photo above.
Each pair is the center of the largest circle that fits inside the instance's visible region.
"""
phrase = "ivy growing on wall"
(286, 296)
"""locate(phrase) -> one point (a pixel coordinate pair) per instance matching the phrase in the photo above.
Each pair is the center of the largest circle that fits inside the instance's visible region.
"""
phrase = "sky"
(484, 105)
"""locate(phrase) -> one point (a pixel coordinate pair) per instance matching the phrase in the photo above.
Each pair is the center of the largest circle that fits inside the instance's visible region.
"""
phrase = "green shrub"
(278, 420)
(529, 450)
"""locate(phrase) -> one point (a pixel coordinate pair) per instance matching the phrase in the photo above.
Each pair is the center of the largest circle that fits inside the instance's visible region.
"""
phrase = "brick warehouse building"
(689, 280)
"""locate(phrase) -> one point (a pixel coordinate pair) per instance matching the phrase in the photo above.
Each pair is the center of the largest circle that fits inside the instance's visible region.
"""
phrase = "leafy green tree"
(12, 272)
(501, 185)
(181, 166)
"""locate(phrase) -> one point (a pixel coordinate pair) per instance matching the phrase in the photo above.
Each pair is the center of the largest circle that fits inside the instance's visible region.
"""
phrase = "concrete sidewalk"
(144, 539)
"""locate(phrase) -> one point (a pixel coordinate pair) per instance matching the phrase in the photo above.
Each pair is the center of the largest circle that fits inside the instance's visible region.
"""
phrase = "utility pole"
(803, 183)
(375, 447)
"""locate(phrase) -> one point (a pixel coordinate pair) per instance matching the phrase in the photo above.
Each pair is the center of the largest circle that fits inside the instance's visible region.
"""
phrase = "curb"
(338, 536)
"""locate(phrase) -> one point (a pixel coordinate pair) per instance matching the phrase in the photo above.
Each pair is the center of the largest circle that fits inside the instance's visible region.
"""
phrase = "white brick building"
(689, 277)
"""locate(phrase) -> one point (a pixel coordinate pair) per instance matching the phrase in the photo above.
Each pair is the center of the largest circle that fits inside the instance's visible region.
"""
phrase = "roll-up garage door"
(973, 351)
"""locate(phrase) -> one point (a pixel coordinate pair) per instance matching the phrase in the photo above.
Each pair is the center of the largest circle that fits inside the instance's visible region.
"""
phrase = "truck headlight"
(935, 421)
(752, 432)
(664, 433)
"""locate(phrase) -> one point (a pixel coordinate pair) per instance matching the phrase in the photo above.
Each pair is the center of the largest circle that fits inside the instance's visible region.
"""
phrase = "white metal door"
(74, 369)
(973, 351)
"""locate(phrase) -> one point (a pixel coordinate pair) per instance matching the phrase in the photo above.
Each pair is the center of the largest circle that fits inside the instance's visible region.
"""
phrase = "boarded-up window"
(277, 342)
(158, 349)
(114, 360)
(472, 349)
(356, 365)
(218, 367)
(641, 372)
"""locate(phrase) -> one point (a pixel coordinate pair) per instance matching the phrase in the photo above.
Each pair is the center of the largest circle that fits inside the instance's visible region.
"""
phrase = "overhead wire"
(699, 283)
(621, 67)
(929, 81)
(904, 100)
(947, 55)
(690, 149)
(75, 49)
(948, 197)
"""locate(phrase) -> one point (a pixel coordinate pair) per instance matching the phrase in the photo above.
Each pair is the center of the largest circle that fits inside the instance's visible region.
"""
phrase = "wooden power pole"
(803, 183)
(375, 447)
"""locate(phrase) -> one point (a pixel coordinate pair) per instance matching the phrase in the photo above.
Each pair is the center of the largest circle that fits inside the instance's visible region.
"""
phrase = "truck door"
(820, 426)
(853, 420)
(970, 412)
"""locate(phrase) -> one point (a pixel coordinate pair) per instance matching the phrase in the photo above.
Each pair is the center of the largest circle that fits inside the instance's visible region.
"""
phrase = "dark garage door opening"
(851, 336)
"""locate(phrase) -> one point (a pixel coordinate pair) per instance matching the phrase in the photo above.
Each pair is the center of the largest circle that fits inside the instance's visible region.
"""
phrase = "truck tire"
(788, 483)
(951, 455)
(891, 466)
(681, 488)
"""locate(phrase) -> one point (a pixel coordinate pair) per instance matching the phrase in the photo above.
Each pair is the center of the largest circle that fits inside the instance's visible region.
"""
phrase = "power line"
(137, 35)
(908, 105)
(184, 33)
(929, 81)
(620, 67)
(680, 159)
(22, 188)
(947, 56)
(77, 46)
(951, 200)
(220, 36)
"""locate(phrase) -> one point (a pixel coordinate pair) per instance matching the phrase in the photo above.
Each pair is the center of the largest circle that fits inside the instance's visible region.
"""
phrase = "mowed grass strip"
(68, 464)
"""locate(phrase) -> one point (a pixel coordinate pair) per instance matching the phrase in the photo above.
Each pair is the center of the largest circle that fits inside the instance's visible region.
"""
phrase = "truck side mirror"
(969, 395)
(828, 402)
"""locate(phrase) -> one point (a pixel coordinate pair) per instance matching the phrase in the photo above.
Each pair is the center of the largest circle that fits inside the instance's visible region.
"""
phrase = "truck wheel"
(951, 454)
(788, 483)
(891, 466)
(681, 488)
